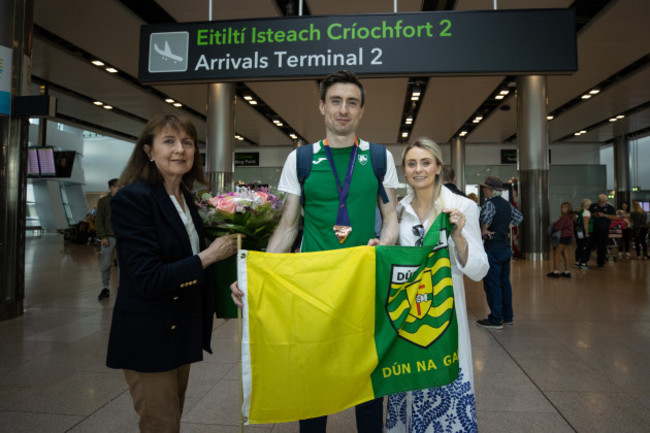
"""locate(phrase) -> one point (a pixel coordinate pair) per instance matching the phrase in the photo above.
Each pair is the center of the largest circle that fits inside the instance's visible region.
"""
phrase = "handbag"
(555, 235)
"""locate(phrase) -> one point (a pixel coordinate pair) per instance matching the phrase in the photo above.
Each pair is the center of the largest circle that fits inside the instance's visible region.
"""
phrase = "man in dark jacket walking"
(497, 215)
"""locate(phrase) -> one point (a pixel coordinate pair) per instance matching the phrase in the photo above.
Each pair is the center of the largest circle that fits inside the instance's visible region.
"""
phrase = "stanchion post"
(239, 341)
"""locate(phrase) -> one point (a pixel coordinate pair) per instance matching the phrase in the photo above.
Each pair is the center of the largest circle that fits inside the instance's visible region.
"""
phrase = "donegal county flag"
(324, 331)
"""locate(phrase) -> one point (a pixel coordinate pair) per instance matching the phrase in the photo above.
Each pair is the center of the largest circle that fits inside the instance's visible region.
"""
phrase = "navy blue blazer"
(164, 308)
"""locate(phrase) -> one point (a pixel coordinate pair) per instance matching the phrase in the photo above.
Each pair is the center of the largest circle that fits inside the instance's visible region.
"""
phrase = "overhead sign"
(456, 42)
(508, 156)
(247, 159)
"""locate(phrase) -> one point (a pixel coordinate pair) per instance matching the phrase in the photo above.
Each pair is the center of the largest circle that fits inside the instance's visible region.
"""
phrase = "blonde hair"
(585, 203)
(636, 207)
(432, 147)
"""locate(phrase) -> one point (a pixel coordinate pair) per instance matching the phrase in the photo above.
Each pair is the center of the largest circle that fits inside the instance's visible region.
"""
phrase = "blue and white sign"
(5, 80)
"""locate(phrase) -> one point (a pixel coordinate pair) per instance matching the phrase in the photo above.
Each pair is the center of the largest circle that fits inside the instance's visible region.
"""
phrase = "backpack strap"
(304, 158)
(378, 161)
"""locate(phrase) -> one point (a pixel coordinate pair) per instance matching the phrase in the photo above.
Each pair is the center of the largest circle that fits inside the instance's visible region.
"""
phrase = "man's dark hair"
(346, 77)
(448, 173)
(112, 182)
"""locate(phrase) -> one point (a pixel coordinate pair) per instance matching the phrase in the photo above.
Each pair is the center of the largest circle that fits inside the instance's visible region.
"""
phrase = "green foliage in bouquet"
(254, 213)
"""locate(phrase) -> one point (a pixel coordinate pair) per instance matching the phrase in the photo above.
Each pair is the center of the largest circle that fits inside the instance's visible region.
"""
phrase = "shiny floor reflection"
(575, 360)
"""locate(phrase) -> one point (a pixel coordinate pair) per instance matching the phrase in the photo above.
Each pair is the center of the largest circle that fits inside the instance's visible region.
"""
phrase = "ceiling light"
(248, 97)
(169, 101)
(586, 96)
(97, 63)
(499, 97)
(504, 92)
(239, 137)
(108, 107)
(549, 117)
(576, 133)
(294, 136)
(98, 103)
(405, 134)
(415, 98)
(409, 120)
(477, 119)
(177, 104)
(583, 132)
(463, 133)
(252, 102)
(416, 92)
(613, 119)
(594, 91)
(111, 70)
(620, 116)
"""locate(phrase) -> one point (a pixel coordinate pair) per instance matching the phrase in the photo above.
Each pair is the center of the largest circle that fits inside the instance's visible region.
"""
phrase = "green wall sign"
(478, 42)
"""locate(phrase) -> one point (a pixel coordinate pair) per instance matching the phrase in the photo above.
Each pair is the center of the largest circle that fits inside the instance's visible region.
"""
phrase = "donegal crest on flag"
(324, 331)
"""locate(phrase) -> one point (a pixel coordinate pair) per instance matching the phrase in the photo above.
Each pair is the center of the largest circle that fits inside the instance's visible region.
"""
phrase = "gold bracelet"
(459, 252)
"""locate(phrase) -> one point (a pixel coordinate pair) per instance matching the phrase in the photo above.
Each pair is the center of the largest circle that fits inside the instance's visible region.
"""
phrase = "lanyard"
(342, 217)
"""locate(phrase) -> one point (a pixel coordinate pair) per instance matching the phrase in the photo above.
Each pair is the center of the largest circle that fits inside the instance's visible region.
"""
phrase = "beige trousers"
(158, 398)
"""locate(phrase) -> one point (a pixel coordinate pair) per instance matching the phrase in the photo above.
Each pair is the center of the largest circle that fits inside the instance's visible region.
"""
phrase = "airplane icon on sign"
(167, 53)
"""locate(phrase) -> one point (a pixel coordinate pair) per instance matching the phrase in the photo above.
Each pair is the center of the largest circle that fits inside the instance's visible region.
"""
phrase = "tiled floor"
(576, 359)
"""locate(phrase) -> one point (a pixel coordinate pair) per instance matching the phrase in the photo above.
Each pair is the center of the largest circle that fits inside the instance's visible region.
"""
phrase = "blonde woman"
(454, 405)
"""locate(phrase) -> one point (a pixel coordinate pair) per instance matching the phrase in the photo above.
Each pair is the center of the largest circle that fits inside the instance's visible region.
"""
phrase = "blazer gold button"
(175, 298)
(173, 327)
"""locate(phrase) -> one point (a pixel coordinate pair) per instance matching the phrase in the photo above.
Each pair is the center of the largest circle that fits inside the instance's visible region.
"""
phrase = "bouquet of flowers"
(252, 212)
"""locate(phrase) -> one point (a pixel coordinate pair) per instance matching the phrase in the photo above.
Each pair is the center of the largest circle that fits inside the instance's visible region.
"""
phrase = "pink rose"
(227, 205)
(214, 201)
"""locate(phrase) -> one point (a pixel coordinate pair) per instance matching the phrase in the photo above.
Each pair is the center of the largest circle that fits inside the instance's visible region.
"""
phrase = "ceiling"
(613, 55)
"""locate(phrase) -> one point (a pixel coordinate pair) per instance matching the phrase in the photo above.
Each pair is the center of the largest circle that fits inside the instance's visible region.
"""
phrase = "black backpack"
(305, 156)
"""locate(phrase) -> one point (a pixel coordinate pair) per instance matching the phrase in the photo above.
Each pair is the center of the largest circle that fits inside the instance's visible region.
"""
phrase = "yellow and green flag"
(324, 331)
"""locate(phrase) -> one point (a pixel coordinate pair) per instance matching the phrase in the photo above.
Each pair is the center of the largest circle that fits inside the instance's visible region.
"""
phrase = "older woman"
(451, 407)
(162, 320)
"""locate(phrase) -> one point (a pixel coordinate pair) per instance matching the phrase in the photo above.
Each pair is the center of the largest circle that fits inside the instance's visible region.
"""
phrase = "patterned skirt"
(446, 409)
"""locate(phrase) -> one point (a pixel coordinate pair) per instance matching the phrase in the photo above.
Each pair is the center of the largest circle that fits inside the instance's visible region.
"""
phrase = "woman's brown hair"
(141, 168)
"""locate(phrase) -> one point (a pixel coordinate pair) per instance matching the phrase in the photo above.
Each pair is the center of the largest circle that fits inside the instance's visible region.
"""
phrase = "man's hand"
(236, 294)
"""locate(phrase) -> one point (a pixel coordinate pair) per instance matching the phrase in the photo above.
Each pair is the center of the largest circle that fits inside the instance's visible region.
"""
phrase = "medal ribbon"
(343, 217)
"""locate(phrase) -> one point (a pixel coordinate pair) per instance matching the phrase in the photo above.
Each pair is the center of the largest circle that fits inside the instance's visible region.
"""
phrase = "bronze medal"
(342, 232)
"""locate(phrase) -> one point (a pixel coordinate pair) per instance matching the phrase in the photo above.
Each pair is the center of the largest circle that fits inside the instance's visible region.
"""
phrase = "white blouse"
(186, 217)
(477, 263)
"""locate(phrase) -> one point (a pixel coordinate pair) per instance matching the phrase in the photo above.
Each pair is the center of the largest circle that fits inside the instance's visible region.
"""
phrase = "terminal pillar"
(533, 165)
(622, 169)
(220, 144)
(16, 17)
(458, 161)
